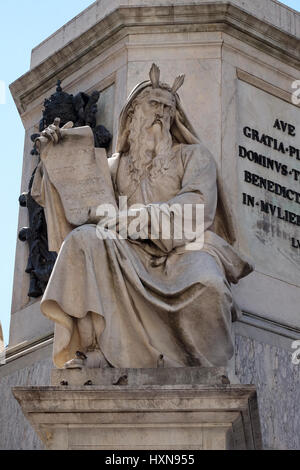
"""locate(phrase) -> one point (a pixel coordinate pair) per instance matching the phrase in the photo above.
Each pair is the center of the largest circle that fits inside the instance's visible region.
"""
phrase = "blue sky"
(23, 25)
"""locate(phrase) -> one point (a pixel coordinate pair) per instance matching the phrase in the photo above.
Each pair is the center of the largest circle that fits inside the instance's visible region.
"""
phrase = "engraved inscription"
(285, 168)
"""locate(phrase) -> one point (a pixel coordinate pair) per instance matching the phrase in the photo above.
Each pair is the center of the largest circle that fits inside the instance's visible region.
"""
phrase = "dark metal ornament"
(40, 261)
(81, 110)
(60, 102)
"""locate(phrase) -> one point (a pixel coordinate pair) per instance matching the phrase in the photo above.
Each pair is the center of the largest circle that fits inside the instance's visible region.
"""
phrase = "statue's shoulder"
(198, 152)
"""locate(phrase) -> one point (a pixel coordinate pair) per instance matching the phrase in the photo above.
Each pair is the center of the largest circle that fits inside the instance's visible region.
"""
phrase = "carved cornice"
(221, 17)
(265, 86)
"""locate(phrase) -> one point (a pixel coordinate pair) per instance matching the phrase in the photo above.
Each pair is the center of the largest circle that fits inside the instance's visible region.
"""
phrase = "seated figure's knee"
(86, 239)
(85, 235)
(94, 234)
(83, 231)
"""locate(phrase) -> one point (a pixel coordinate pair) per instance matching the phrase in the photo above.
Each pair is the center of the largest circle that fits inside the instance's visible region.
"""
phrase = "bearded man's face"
(149, 137)
(156, 113)
(159, 106)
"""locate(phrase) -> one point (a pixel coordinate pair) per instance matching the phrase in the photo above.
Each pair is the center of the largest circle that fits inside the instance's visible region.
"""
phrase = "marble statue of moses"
(125, 303)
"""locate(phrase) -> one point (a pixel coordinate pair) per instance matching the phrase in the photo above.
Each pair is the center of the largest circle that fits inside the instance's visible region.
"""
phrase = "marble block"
(169, 417)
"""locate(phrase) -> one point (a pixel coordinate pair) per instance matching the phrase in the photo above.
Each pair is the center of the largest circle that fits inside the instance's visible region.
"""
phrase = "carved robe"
(141, 299)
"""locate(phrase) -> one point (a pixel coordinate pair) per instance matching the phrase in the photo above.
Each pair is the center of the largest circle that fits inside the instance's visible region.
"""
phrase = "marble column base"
(142, 417)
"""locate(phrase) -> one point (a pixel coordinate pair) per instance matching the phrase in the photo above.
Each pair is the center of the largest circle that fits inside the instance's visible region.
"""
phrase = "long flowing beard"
(141, 159)
(161, 161)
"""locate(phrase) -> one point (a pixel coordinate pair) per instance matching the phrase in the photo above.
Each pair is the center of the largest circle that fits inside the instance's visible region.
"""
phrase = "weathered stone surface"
(85, 47)
(277, 379)
(29, 324)
(147, 417)
(275, 12)
(15, 431)
(138, 377)
(267, 365)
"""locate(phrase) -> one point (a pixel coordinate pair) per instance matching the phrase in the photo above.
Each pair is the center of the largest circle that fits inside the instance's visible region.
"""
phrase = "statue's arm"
(199, 181)
(38, 188)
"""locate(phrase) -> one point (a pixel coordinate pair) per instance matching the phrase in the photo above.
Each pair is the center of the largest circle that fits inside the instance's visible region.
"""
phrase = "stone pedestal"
(206, 416)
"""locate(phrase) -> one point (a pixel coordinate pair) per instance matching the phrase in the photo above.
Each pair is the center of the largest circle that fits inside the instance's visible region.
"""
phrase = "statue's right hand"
(53, 132)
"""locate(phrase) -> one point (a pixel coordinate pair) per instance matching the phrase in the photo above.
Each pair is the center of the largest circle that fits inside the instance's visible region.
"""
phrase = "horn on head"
(178, 83)
(154, 76)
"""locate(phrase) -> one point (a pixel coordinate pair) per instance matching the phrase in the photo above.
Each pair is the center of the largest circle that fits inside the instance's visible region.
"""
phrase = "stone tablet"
(80, 174)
